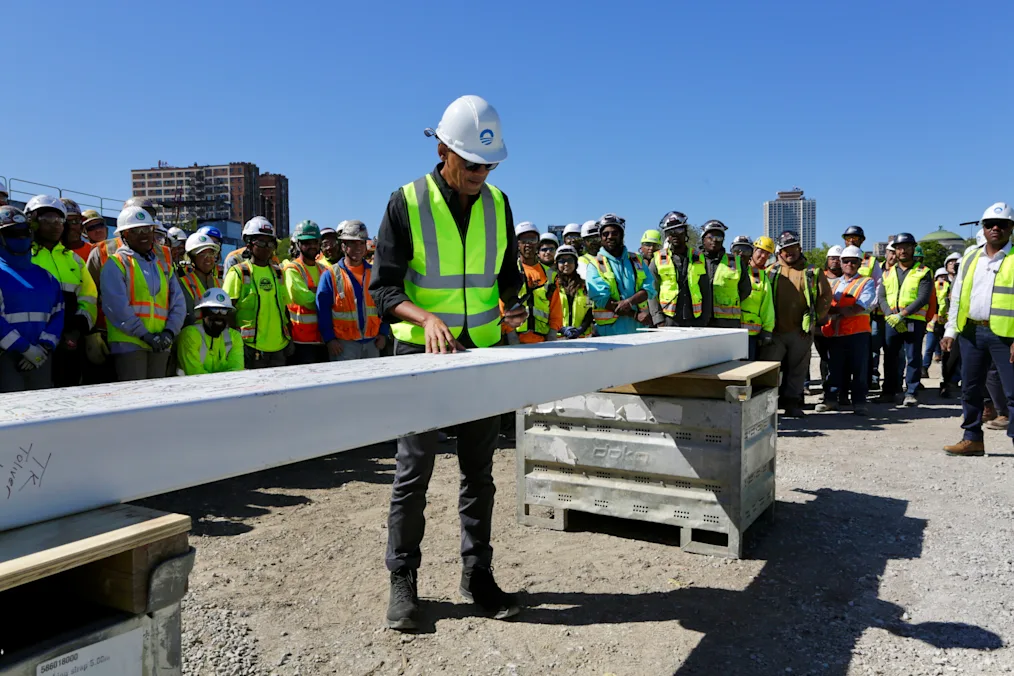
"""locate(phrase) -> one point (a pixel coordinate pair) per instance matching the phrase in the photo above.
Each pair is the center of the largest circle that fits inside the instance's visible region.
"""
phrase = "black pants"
(405, 524)
(952, 365)
(255, 359)
(823, 346)
(67, 366)
(981, 348)
(307, 353)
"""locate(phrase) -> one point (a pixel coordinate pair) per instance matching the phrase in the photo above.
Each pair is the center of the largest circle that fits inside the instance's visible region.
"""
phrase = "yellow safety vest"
(899, 298)
(810, 293)
(758, 307)
(603, 316)
(943, 298)
(455, 280)
(248, 305)
(153, 312)
(866, 268)
(538, 303)
(725, 288)
(71, 272)
(668, 285)
(1001, 309)
(575, 309)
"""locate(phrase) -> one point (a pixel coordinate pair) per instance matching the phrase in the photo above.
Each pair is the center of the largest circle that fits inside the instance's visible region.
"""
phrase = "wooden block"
(40, 550)
(708, 382)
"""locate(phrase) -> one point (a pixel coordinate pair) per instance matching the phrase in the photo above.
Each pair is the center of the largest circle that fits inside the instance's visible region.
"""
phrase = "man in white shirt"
(982, 320)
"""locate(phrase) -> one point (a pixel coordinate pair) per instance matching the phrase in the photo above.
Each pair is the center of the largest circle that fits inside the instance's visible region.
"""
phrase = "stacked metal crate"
(701, 463)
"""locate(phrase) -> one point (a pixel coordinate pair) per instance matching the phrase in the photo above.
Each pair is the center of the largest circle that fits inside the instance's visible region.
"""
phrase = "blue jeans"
(900, 349)
(979, 348)
(850, 357)
(932, 346)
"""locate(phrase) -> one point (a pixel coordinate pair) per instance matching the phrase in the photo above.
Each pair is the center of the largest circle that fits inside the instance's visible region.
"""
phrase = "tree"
(282, 251)
(818, 257)
(933, 255)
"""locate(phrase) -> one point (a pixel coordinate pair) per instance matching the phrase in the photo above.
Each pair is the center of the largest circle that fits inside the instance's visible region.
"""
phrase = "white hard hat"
(258, 225)
(952, 257)
(327, 230)
(199, 242)
(1000, 210)
(46, 202)
(572, 229)
(980, 238)
(565, 250)
(214, 298)
(470, 127)
(550, 237)
(3, 187)
(134, 217)
(590, 229)
(890, 246)
(177, 235)
(525, 227)
(849, 252)
(940, 271)
(835, 251)
(353, 230)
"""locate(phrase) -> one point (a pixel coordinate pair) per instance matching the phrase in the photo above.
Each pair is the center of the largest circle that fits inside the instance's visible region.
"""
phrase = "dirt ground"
(885, 557)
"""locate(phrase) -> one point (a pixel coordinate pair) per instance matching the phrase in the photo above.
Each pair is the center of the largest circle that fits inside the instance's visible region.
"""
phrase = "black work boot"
(403, 608)
(479, 587)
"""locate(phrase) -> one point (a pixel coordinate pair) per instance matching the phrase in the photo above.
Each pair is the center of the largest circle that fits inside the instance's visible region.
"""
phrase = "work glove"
(32, 358)
(165, 340)
(896, 322)
(570, 332)
(96, 349)
(152, 340)
(764, 338)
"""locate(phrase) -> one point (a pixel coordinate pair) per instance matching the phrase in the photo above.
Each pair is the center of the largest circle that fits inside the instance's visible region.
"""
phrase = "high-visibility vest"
(453, 279)
(195, 287)
(246, 314)
(575, 309)
(304, 319)
(866, 268)
(214, 359)
(846, 326)
(901, 296)
(725, 288)
(538, 302)
(810, 293)
(153, 312)
(345, 311)
(605, 317)
(668, 284)
(943, 287)
(110, 246)
(71, 272)
(1001, 309)
(759, 305)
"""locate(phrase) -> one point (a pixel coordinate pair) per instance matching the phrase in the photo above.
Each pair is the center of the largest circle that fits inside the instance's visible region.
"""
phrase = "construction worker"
(348, 321)
(450, 215)
(539, 293)
(302, 275)
(679, 294)
(763, 252)
(548, 244)
(832, 270)
(918, 254)
(212, 232)
(592, 243)
(80, 298)
(101, 252)
(981, 319)
(31, 314)
(855, 236)
(72, 228)
(236, 256)
(202, 253)
(210, 345)
(176, 238)
(890, 256)
(832, 263)
(950, 360)
(572, 237)
(3, 193)
(142, 301)
(330, 247)
(727, 283)
(802, 298)
(94, 227)
(951, 265)
(847, 333)
(258, 292)
(877, 318)
(651, 241)
(935, 330)
(758, 308)
(904, 298)
(619, 282)
(574, 302)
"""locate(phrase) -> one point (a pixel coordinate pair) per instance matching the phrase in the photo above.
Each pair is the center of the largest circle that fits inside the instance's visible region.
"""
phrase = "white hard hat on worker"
(134, 217)
(470, 128)
(850, 252)
(258, 225)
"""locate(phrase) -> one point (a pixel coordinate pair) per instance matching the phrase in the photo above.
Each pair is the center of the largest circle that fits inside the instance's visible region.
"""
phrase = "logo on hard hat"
(997, 210)
(266, 229)
(139, 215)
(18, 218)
(486, 137)
(220, 298)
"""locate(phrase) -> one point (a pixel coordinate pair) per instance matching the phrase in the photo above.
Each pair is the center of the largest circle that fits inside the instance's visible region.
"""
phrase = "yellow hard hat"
(765, 244)
(652, 237)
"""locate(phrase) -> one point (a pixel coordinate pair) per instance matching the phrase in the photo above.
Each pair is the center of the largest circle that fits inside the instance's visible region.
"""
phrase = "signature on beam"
(24, 460)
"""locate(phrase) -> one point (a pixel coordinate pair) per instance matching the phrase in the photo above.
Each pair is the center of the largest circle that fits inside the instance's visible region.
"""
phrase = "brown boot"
(966, 447)
(1001, 422)
(988, 412)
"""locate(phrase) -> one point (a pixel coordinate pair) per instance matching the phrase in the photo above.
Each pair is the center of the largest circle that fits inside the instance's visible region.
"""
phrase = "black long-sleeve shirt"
(394, 251)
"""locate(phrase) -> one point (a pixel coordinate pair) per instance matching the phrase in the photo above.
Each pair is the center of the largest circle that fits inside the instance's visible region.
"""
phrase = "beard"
(214, 327)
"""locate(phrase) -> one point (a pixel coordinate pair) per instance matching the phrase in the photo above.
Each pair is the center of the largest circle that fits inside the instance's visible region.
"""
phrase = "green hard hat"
(652, 237)
(918, 252)
(306, 230)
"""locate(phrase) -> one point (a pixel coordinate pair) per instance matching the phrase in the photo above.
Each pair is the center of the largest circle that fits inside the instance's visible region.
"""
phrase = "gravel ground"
(885, 557)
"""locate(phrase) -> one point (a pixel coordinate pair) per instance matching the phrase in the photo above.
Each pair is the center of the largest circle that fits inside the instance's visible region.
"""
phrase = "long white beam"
(69, 450)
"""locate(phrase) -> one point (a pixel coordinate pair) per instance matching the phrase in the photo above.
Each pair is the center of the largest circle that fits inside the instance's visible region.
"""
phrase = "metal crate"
(705, 465)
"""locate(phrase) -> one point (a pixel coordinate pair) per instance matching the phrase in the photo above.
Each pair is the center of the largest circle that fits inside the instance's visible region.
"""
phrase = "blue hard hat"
(210, 231)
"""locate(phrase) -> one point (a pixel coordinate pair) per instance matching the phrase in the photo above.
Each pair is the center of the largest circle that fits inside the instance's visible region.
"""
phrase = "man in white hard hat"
(143, 303)
(548, 244)
(210, 346)
(572, 237)
(832, 270)
(591, 244)
(832, 264)
(619, 282)
(981, 318)
(935, 330)
(950, 361)
(450, 214)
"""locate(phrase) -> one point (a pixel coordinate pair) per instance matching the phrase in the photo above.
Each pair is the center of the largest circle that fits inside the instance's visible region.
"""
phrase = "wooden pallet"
(710, 382)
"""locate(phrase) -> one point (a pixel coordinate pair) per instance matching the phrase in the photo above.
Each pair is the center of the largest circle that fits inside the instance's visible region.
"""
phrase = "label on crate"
(117, 656)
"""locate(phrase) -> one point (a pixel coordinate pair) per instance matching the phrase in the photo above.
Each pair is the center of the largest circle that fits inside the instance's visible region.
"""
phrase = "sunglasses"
(547, 248)
(264, 244)
(94, 226)
(476, 166)
(850, 261)
(215, 312)
(1002, 225)
(50, 218)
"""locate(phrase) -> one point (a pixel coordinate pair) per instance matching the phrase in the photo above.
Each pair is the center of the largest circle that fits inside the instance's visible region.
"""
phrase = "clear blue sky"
(896, 116)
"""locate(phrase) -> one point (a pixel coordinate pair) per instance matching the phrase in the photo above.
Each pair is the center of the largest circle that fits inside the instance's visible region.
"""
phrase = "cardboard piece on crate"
(708, 382)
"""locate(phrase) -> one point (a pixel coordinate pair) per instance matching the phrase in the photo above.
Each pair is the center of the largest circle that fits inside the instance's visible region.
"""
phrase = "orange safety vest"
(152, 311)
(345, 313)
(304, 319)
(116, 243)
(847, 326)
(194, 284)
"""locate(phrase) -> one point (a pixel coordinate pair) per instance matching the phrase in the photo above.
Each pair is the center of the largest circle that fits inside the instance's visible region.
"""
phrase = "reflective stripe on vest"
(304, 319)
(751, 307)
(575, 309)
(943, 298)
(1001, 310)
(248, 326)
(110, 246)
(605, 268)
(847, 326)
(668, 285)
(455, 280)
(153, 312)
(866, 268)
(344, 307)
(725, 288)
(900, 297)
(539, 301)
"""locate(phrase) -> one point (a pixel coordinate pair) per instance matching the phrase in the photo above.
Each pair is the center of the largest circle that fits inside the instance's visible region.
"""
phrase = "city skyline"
(793, 212)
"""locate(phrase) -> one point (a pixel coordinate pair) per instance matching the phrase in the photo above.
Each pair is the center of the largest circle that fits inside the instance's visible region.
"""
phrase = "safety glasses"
(50, 218)
(477, 166)
(214, 312)
(545, 249)
(996, 223)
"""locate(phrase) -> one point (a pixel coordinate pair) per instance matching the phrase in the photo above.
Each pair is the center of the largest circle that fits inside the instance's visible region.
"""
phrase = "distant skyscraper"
(791, 212)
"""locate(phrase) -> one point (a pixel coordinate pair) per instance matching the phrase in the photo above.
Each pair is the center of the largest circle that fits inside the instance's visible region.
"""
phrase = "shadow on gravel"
(880, 416)
(805, 610)
(221, 508)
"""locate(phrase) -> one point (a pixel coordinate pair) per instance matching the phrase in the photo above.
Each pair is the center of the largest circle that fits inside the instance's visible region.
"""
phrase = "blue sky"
(894, 115)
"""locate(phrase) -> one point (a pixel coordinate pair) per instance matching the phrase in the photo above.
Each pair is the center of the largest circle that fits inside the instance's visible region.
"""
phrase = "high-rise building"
(274, 202)
(557, 230)
(189, 196)
(791, 212)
